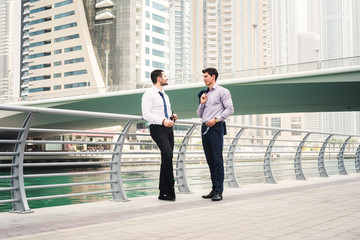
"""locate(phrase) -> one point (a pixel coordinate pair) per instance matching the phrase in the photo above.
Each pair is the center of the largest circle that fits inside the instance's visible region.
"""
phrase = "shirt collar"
(214, 87)
(157, 90)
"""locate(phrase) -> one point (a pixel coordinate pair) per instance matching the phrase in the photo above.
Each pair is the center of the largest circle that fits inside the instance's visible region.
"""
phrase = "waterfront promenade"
(318, 208)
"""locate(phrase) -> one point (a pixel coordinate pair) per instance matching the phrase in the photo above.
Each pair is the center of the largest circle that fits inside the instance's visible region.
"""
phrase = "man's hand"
(168, 123)
(211, 122)
(203, 98)
(175, 116)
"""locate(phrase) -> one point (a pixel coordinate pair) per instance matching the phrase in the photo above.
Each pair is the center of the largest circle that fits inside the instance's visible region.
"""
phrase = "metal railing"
(128, 160)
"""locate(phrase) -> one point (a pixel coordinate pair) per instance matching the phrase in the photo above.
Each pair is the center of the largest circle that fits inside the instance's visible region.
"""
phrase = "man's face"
(163, 80)
(208, 79)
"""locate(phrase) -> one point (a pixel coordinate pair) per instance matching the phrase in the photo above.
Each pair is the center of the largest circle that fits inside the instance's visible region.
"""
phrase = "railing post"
(269, 175)
(230, 166)
(321, 160)
(181, 178)
(19, 194)
(118, 186)
(357, 160)
(340, 157)
(297, 161)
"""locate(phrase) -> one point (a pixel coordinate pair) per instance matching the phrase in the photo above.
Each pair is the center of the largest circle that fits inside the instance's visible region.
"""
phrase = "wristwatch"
(217, 120)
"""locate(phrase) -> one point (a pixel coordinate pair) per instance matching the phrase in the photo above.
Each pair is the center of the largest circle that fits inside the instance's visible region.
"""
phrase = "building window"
(276, 123)
(158, 65)
(73, 73)
(158, 53)
(147, 62)
(65, 26)
(159, 6)
(71, 49)
(59, 4)
(75, 85)
(40, 9)
(158, 18)
(40, 32)
(57, 75)
(57, 87)
(39, 78)
(37, 55)
(41, 89)
(147, 26)
(147, 74)
(62, 15)
(158, 41)
(40, 66)
(40, 43)
(75, 60)
(60, 39)
(58, 63)
(158, 29)
(295, 119)
(147, 14)
(41, 20)
(57, 51)
(147, 50)
(147, 2)
(147, 38)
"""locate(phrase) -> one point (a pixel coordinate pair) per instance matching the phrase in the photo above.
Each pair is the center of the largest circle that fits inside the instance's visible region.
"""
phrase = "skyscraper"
(284, 33)
(82, 47)
(332, 21)
(180, 44)
(231, 35)
(9, 50)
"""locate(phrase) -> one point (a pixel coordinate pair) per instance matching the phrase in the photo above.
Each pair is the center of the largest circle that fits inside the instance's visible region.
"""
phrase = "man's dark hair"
(211, 72)
(155, 74)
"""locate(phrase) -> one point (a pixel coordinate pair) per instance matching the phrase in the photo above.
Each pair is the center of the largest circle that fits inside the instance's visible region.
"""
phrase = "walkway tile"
(318, 208)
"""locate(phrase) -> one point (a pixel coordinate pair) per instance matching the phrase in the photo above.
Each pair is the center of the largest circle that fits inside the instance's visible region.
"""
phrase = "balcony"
(104, 3)
(104, 15)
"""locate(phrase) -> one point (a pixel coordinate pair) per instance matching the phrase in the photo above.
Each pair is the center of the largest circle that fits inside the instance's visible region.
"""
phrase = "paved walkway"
(318, 208)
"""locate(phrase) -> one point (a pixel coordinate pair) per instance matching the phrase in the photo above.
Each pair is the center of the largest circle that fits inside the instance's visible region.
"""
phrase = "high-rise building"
(356, 27)
(231, 35)
(331, 20)
(284, 33)
(308, 50)
(152, 38)
(180, 44)
(336, 29)
(9, 50)
(82, 47)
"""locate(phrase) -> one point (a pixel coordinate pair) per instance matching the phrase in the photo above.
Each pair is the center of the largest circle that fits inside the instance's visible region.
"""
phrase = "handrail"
(249, 157)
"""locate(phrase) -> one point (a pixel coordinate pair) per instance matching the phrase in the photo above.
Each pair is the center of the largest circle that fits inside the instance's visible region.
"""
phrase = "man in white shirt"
(156, 109)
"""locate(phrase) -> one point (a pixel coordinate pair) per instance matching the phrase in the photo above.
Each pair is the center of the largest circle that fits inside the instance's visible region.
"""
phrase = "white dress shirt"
(152, 106)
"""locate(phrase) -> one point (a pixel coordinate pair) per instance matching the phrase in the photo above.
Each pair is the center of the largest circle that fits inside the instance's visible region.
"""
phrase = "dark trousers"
(164, 138)
(213, 142)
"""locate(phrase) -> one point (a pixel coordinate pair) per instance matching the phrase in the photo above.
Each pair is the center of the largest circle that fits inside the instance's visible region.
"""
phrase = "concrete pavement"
(318, 208)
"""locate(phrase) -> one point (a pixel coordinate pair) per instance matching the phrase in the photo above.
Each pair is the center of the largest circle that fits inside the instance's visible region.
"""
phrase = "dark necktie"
(166, 113)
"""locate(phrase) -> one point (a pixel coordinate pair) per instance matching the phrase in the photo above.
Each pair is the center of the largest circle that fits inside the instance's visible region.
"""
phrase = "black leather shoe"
(217, 197)
(210, 195)
(166, 197)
